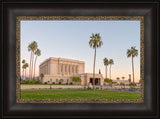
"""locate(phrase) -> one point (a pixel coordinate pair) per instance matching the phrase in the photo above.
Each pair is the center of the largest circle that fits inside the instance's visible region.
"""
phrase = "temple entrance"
(97, 81)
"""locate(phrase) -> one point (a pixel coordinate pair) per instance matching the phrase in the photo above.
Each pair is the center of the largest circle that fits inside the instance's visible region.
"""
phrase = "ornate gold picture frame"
(140, 18)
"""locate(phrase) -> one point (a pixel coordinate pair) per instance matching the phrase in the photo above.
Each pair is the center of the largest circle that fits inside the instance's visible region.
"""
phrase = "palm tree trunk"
(110, 71)
(106, 71)
(30, 66)
(35, 65)
(133, 69)
(94, 69)
(110, 75)
(25, 73)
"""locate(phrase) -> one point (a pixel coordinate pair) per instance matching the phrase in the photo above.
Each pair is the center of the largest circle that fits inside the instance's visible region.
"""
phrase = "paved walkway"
(46, 87)
(32, 87)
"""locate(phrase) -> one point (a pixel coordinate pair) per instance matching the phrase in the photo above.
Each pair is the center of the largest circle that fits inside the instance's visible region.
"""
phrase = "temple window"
(72, 69)
(65, 68)
(61, 68)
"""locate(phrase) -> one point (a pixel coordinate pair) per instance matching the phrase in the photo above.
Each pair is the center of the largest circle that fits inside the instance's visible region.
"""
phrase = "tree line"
(96, 42)
(35, 52)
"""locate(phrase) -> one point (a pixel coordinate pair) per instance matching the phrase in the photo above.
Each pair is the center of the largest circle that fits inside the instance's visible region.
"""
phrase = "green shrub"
(32, 81)
(97, 87)
(45, 82)
(76, 79)
(132, 84)
(107, 80)
(23, 81)
(37, 78)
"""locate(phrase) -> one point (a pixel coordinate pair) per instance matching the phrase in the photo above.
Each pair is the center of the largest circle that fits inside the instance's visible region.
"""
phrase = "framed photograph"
(80, 59)
(68, 80)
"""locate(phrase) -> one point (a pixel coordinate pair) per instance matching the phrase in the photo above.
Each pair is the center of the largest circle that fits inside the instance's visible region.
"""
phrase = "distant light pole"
(129, 78)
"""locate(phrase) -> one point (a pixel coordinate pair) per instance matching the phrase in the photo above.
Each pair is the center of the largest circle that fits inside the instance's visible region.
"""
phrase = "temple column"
(63, 69)
(88, 81)
(67, 69)
(78, 69)
(72, 70)
(59, 69)
(75, 70)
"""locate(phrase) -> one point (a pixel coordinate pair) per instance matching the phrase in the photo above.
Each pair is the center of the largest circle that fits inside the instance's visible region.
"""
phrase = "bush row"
(32, 81)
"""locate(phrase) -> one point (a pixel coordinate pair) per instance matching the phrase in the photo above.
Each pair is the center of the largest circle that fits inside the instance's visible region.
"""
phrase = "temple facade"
(62, 70)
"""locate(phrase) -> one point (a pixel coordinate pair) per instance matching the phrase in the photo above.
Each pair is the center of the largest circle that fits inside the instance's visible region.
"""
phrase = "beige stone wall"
(61, 66)
(44, 68)
(54, 68)
(56, 79)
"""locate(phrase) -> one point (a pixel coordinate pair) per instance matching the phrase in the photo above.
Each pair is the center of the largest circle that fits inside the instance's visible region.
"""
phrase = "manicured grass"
(78, 94)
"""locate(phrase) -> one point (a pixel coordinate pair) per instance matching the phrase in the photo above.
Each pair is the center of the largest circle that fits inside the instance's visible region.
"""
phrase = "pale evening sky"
(70, 39)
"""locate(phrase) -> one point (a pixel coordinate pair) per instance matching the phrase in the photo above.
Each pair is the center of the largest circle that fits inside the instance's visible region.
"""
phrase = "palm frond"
(95, 40)
(111, 61)
(132, 52)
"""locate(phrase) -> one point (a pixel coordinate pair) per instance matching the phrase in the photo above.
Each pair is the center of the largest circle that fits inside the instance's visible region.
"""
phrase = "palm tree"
(23, 70)
(133, 52)
(26, 66)
(41, 75)
(123, 81)
(99, 71)
(37, 53)
(111, 62)
(23, 61)
(123, 78)
(129, 78)
(95, 42)
(106, 63)
(118, 78)
(32, 47)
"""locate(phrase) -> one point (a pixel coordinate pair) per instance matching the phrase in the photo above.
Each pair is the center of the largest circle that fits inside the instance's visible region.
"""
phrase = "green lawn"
(77, 94)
